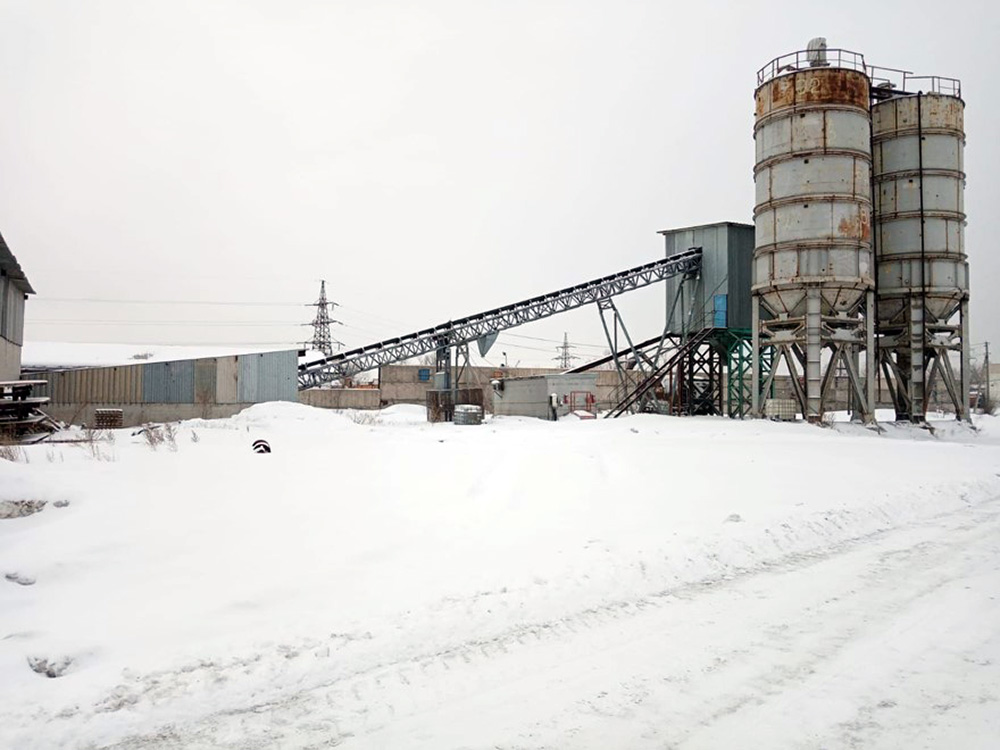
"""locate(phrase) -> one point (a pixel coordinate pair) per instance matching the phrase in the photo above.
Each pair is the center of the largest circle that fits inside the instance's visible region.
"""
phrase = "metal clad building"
(719, 297)
(227, 380)
(185, 388)
(14, 289)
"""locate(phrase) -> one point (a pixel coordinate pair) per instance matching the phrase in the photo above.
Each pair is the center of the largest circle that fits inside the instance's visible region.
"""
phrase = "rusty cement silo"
(918, 140)
(813, 276)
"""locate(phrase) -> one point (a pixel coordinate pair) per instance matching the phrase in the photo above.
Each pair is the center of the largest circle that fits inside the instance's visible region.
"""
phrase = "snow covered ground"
(379, 582)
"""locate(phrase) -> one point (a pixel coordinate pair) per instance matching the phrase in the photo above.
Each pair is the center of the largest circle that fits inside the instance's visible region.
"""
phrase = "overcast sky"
(428, 159)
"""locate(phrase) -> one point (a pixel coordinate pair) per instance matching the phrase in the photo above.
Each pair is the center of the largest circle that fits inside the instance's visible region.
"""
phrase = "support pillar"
(871, 356)
(965, 375)
(755, 358)
(918, 358)
(814, 353)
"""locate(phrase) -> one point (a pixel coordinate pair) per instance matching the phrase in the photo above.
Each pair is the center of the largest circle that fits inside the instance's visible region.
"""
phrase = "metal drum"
(468, 414)
(813, 183)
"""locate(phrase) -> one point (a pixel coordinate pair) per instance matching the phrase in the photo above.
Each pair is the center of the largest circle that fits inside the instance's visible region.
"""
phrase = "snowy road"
(884, 642)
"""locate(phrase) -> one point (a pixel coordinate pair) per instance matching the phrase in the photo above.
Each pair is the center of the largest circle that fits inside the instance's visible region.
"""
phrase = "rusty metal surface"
(813, 212)
(824, 86)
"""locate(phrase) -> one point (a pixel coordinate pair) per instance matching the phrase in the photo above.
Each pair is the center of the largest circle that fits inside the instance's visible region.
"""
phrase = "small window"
(424, 374)
(720, 306)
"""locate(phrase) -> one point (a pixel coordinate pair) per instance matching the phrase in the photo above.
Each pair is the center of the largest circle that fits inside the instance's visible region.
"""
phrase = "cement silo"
(813, 276)
(918, 141)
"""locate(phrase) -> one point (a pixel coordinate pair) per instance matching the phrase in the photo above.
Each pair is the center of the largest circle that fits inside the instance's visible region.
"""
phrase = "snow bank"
(198, 577)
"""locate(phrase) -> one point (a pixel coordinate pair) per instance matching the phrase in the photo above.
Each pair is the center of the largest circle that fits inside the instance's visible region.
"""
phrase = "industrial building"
(718, 296)
(546, 396)
(830, 294)
(209, 387)
(14, 290)
(849, 290)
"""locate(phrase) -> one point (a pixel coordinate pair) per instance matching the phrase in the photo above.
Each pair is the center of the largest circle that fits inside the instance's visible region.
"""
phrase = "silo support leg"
(948, 377)
(918, 365)
(755, 358)
(871, 366)
(814, 350)
(859, 392)
(965, 412)
(800, 394)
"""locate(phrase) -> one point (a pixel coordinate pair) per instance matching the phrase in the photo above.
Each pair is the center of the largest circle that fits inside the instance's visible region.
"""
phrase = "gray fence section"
(243, 379)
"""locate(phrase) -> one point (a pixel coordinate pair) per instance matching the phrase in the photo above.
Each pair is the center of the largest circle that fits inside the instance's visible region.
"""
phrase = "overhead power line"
(98, 300)
(177, 323)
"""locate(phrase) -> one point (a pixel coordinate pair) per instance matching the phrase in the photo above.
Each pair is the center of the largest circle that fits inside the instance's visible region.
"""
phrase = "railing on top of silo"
(898, 81)
(795, 62)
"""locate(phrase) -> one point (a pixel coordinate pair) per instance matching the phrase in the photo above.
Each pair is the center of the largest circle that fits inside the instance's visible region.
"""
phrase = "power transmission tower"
(564, 357)
(322, 339)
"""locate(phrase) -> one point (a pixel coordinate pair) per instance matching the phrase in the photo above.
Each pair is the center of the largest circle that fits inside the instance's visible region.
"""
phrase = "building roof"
(706, 226)
(9, 266)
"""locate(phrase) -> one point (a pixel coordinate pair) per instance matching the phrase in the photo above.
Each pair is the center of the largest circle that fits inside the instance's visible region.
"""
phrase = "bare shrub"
(194, 437)
(13, 453)
(98, 443)
(364, 417)
(170, 436)
(153, 435)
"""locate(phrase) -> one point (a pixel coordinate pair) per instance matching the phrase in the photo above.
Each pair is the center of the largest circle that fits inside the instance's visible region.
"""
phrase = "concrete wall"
(401, 384)
(341, 398)
(134, 415)
(10, 360)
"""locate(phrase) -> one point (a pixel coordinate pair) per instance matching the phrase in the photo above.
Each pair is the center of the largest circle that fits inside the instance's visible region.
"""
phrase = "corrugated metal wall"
(244, 379)
(99, 385)
(11, 311)
(727, 258)
(168, 382)
(227, 379)
(741, 244)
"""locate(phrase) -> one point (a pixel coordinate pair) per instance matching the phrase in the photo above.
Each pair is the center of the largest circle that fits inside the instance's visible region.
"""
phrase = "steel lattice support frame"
(915, 358)
(472, 328)
(811, 347)
(707, 372)
(694, 385)
(739, 364)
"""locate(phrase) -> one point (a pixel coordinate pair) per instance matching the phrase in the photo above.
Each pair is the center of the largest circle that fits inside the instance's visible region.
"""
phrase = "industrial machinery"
(813, 273)
(918, 142)
(483, 328)
(855, 264)
(841, 277)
